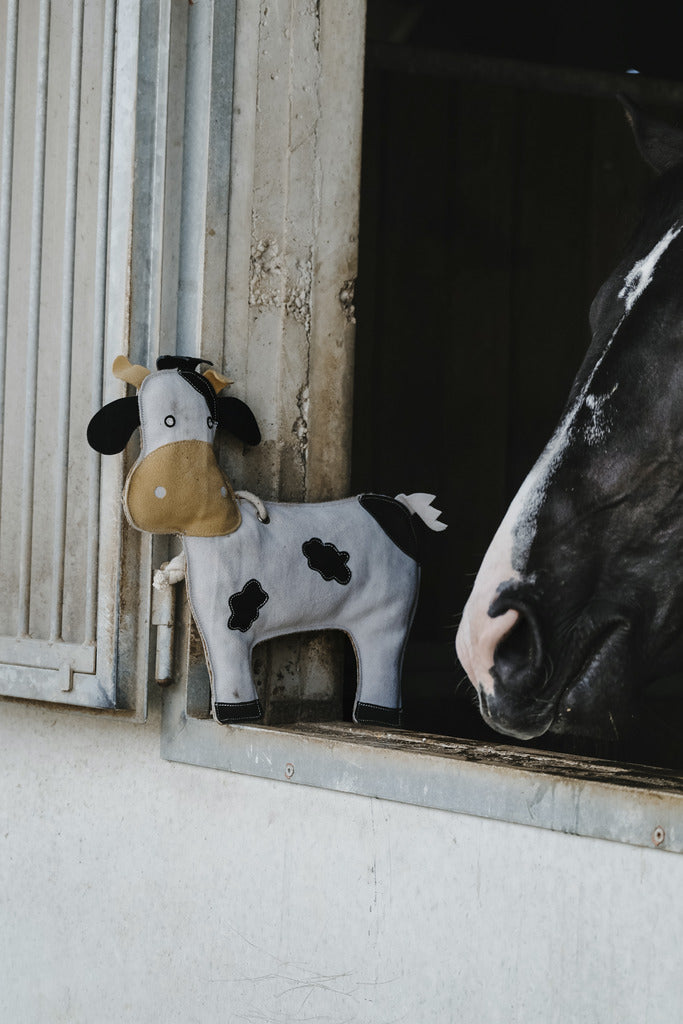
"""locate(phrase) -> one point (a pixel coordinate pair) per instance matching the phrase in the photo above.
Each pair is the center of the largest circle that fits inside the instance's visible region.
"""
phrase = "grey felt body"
(374, 606)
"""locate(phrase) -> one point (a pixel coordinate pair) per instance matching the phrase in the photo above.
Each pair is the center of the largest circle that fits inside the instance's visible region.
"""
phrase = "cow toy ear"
(237, 417)
(110, 429)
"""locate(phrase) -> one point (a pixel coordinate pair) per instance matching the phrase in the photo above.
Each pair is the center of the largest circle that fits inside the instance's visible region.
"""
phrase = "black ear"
(110, 429)
(235, 416)
(660, 144)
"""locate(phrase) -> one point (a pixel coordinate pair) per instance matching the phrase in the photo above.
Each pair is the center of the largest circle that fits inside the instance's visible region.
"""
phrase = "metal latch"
(163, 615)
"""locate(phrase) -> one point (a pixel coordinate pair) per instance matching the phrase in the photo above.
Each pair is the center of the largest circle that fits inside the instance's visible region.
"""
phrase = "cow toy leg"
(233, 693)
(227, 649)
(379, 643)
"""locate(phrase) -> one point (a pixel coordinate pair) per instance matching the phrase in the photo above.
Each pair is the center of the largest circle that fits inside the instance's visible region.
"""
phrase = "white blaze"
(479, 634)
(639, 277)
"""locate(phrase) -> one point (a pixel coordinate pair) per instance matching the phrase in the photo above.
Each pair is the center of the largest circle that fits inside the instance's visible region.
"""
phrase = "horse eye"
(170, 421)
(210, 422)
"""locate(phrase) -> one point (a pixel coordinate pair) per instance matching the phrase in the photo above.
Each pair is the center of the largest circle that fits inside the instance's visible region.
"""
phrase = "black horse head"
(579, 600)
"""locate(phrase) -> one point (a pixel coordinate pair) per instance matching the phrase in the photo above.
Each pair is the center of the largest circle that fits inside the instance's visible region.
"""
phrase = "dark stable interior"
(499, 183)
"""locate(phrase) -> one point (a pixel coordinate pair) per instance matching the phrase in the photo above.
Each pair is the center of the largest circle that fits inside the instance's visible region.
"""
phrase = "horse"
(578, 602)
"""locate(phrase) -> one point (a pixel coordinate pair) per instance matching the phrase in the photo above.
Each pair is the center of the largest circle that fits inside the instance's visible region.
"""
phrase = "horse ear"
(238, 418)
(660, 144)
(110, 429)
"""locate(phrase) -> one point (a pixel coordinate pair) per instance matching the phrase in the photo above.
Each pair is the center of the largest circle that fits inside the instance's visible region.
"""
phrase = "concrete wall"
(134, 889)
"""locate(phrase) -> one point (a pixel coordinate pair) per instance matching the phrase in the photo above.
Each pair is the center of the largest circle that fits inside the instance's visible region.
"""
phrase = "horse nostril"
(518, 657)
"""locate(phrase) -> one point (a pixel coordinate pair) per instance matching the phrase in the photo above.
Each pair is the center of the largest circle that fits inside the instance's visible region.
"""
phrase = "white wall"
(133, 889)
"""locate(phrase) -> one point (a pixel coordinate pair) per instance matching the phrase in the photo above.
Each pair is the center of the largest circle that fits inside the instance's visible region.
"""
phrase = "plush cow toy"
(256, 570)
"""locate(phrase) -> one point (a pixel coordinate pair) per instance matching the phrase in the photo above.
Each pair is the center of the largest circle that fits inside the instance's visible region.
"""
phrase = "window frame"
(561, 792)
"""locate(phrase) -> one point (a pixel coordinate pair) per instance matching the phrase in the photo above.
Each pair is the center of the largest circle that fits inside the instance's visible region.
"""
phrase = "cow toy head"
(176, 485)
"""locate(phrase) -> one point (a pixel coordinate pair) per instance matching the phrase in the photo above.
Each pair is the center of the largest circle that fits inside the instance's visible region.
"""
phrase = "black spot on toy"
(395, 520)
(327, 560)
(245, 606)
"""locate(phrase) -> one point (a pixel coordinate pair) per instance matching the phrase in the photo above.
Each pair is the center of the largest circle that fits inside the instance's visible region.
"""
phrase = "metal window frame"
(574, 795)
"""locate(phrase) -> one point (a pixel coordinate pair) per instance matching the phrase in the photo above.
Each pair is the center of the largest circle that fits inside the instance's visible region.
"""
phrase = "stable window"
(453, 203)
(206, 201)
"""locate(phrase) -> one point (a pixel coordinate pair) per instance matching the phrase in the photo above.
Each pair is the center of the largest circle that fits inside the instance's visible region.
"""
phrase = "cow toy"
(256, 570)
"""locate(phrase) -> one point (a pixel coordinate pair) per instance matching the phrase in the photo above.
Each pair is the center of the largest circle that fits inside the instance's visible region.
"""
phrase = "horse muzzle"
(579, 689)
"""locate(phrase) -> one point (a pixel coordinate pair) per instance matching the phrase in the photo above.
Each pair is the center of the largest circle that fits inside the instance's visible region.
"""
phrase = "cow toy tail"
(395, 516)
(421, 505)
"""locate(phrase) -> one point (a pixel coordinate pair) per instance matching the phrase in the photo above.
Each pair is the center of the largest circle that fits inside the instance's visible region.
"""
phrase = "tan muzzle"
(180, 488)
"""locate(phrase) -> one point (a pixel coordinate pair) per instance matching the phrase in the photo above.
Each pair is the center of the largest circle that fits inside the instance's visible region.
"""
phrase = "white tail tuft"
(421, 505)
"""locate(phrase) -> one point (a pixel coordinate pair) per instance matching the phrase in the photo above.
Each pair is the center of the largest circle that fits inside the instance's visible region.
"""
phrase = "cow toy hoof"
(245, 711)
(374, 714)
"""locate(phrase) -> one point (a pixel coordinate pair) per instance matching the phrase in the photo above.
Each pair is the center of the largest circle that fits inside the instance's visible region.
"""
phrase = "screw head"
(289, 770)
(658, 836)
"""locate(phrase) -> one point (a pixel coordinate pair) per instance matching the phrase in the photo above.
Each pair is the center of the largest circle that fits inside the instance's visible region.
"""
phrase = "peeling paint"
(300, 425)
(270, 287)
(346, 300)
(266, 281)
(315, 12)
(298, 302)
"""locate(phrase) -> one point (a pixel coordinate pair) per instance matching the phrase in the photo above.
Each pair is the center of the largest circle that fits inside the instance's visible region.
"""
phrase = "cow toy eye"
(210, 422)
(170, 421)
